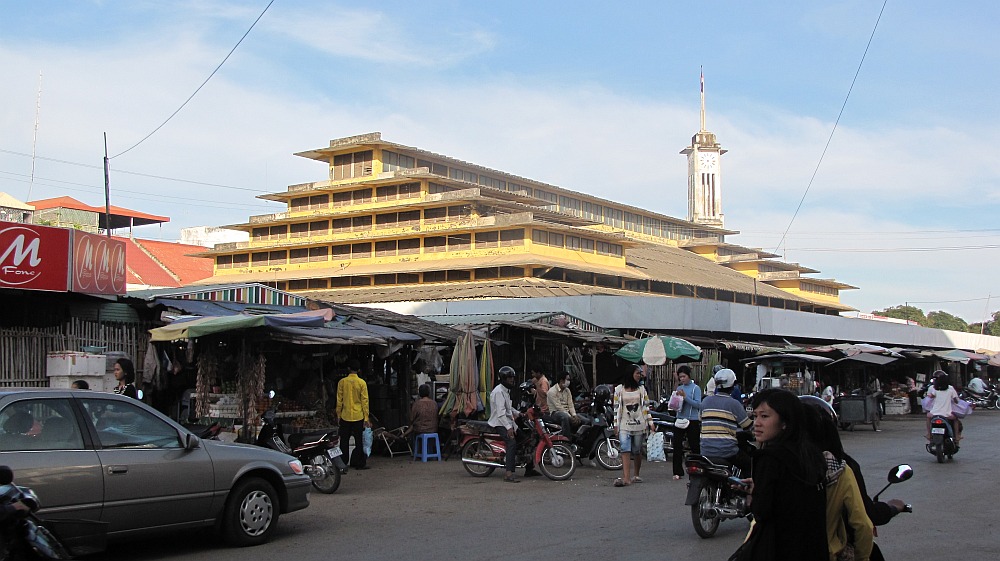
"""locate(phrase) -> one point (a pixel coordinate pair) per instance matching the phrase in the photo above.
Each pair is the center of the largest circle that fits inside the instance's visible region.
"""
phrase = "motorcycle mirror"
(271, 394)
(900, 473)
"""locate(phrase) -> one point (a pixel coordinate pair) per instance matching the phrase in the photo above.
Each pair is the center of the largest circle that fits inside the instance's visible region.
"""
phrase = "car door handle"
(117, 469)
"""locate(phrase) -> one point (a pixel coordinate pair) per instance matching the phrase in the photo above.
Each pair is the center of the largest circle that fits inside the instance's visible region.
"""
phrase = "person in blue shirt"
(688, 424)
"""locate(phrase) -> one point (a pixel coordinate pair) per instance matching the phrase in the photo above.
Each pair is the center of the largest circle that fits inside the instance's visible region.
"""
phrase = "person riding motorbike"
(721, 418)
(879, 512)
(502, 417)
(944, 398)
(976, 386)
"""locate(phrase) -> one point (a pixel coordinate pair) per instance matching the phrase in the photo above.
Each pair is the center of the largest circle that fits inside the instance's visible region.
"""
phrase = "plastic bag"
(366, 440)
(676, 402)
(961, 409)
(927, 403)
(654, 448)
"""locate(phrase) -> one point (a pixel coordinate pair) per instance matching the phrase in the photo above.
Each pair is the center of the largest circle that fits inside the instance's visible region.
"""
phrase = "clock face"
(707, 160)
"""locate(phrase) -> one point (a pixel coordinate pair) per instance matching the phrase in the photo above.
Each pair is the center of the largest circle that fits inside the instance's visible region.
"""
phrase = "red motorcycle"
(483, 449)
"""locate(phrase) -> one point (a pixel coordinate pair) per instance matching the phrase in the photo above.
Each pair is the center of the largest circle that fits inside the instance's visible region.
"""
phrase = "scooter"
(595, 439)
(319, 452)
(716, 491)
(483, 449)
(988, 400)
(23, 535)
(943, 442)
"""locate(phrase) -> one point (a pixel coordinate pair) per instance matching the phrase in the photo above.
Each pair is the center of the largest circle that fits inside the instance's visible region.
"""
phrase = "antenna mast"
(34, 136)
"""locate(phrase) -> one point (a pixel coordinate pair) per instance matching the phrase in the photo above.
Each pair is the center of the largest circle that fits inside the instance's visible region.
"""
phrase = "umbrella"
(463, 384)
(486, 375)
(657, 349)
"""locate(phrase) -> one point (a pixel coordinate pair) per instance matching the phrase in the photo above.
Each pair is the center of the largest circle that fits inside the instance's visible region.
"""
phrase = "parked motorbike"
(595, 438)
(205, 432)
(943, 442)
(319, 452)
(988, 400)
(483, 449)
(715, 491)
(23, 535)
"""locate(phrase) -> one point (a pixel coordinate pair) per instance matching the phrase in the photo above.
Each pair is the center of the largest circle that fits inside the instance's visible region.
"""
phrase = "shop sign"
(98, 264)
(34, 257)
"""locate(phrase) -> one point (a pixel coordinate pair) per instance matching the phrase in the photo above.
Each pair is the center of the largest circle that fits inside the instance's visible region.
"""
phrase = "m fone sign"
(59, 259)
(34, 257)
(98, 264)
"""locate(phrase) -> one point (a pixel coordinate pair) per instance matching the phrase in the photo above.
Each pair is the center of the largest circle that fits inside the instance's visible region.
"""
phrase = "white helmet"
(724, 378)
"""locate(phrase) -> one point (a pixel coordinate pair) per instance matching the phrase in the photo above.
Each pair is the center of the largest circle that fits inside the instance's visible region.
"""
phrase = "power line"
(136, 173)
(834, 130)
(202, 84)
(894, 249)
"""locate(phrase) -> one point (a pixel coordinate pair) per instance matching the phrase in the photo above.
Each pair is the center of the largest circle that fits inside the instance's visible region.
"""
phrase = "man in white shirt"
(502, 415)
(976, 386)
(561, 407)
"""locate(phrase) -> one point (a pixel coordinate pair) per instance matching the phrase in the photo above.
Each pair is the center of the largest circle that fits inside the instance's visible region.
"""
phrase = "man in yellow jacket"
(352, 410)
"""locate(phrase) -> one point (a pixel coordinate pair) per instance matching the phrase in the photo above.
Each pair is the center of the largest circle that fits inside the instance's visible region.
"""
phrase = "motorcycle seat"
(481, 426)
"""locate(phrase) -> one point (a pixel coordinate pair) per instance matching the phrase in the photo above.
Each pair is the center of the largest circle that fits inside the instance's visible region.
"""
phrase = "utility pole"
(107, 189)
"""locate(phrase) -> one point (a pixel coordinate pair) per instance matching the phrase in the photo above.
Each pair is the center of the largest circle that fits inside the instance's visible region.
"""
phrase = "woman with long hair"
(632, 421)
(787, 498)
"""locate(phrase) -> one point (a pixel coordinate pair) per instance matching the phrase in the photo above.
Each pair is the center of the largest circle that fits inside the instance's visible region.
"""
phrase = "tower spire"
(702, 98)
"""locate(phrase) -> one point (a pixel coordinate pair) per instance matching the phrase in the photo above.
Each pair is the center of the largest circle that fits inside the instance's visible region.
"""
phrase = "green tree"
(992, 326)
(944, 320)
(910, 313)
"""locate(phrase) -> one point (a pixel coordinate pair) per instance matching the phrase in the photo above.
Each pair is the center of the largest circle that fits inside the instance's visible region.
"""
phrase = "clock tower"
(704, 174)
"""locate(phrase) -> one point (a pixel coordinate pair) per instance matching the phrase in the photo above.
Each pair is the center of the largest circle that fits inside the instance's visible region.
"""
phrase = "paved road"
(435, 511)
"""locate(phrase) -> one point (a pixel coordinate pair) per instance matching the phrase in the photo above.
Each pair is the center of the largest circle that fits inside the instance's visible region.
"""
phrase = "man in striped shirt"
(721, 418)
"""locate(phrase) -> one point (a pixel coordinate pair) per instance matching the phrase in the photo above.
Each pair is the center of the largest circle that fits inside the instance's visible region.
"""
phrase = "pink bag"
(676, 402)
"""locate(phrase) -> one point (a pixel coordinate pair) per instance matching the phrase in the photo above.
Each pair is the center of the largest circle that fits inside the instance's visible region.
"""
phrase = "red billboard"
(34, 257)
(98, 264)
(60, 259)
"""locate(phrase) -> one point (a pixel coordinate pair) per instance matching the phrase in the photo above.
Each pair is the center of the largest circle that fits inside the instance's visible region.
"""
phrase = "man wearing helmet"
(502, 415)
(721, 418)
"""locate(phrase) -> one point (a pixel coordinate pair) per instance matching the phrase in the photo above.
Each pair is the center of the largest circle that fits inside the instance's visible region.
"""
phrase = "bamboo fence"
(24, 350)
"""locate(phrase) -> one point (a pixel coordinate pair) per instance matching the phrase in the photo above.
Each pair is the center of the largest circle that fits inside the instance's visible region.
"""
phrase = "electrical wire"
(834, 130)
(202, 84)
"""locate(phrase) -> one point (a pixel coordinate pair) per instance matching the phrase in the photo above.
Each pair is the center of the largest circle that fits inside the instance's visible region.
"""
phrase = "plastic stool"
(421, 447)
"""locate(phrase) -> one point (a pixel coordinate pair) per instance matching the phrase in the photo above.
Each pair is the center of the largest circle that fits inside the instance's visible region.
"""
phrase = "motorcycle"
(943, 442)
(715, 491)
(483, 449)
(319, 452)
(988, 400)
(595, 439)
(23, 535)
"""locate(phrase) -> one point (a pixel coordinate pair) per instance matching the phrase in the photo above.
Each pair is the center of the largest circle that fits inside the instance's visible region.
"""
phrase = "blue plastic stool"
(421, 446)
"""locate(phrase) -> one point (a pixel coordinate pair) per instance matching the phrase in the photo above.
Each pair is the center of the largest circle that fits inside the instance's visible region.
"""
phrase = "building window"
(409, 246)
(459, 242)
(434, 188)
(510, 238)
(361, 250)
(317, 283)
(459, 275)
(320, 253)
(409, 191)
(319, 202)
(409, 218)
(439, 214)
(385, 279)
(435, 244)
(607, 281)
(241, 260)
(340, 252)
(605, 248)
(407, 278)
(392, 161)
(435, 276)
(587, 244)
(361, 223)
(298, 284)
(340, 282)
(385, 249)
(573, 242)
(319, 228)
(296, 256)
(361, 281)
(341, 225)
(487, 274)
(342, 199)
(299, 230)
(258, 259)
(224, 262)
(298, 203)
(347, 166)
(486, 240)
(386, 193)
(361, 196)
(511, 272)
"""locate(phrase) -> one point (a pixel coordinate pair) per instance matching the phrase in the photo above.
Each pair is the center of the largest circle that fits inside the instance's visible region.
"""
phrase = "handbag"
(367, 436)
(962, 408)
(654, 448)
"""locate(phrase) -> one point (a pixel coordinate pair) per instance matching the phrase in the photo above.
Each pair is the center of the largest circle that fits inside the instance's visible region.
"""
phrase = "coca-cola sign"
(34, 257)
(98, 264)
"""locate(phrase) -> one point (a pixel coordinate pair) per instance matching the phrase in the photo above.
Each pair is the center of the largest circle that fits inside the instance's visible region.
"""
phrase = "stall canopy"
(868, 358)
(787, 356)
(199, 327)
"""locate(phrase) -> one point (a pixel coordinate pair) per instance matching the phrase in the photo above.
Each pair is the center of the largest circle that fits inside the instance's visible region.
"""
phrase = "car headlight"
(296, 467)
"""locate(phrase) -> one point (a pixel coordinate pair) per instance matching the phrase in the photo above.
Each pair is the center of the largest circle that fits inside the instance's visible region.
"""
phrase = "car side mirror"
(900, 473)
(191, 441)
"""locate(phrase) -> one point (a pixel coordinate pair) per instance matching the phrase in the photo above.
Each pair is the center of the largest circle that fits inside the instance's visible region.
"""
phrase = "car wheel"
(251, 514)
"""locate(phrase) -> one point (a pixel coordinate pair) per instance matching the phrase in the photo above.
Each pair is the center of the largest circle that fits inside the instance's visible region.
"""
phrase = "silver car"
(101, 456)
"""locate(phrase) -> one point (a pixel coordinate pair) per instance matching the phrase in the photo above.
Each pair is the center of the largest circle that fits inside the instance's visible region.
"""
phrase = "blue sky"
(589, 96)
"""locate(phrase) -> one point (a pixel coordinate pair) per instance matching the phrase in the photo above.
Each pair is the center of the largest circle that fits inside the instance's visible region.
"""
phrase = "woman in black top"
(788, 500)
(125, 374)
